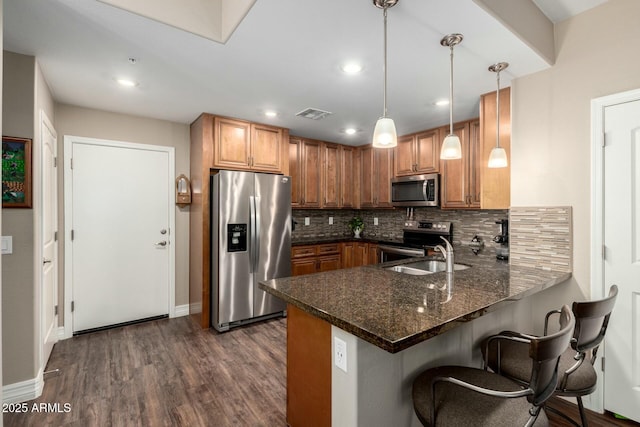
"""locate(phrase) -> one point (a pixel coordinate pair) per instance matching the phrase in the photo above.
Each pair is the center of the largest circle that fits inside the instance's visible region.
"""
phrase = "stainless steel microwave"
(416, 190)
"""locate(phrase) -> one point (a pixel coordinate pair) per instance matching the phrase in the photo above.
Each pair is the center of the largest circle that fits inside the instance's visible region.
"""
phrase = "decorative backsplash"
(541, 237)
(466, 223)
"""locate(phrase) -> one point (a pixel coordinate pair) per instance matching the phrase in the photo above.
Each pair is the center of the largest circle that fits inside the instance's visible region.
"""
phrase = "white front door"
(121, 201)
(49, 291)
(622, 256)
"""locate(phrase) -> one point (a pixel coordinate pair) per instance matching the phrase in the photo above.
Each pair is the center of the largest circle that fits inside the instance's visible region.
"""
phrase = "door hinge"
(604, 253)
(55, 236)
(55, 162)
(55, 310)
(72, 163)
(602, 363)
(73, 306)
(604, 139)
(73, 234)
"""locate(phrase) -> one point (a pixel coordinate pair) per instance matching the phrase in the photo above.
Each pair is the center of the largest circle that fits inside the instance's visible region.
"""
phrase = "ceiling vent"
(313, 114)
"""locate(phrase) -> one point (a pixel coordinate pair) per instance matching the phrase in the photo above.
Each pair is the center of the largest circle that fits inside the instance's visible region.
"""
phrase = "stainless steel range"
(417, 238)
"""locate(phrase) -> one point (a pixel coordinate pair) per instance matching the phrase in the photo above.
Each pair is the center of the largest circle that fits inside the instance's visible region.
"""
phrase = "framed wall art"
(16, 172)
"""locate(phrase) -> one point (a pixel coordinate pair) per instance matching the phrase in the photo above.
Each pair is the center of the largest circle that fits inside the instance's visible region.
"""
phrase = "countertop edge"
(409, 341)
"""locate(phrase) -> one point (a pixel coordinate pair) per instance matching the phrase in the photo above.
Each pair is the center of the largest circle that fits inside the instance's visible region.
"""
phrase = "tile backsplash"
(541, 237)
(466, 223)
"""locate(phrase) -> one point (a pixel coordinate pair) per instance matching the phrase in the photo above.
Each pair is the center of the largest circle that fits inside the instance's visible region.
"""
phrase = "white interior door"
(121, 234)
(49, 293)
(622, 256)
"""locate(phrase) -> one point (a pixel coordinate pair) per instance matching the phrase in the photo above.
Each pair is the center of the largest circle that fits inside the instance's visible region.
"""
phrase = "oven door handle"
(401, 251)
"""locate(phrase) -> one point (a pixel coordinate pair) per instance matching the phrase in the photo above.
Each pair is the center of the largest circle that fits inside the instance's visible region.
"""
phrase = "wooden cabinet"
(324, 174)
(460, 179)
(242, 145)
(350, 179)
(309, 259)
(376, 168)
(495, 182)
(331, 175)
(356, 254)
(305, 157)
(418, 153)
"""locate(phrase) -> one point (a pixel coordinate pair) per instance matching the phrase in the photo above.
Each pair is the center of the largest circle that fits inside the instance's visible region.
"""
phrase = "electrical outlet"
(340, 353)
(307, 220)
(330, 220)
(375, 221)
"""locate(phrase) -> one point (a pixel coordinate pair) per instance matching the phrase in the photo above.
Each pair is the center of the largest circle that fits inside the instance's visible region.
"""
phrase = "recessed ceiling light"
(441, 102)
(351, 68)
(350, 131)
(127, 82)
(270, 113)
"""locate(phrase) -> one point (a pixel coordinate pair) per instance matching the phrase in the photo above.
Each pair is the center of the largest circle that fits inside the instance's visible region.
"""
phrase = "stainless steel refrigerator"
(250, 242)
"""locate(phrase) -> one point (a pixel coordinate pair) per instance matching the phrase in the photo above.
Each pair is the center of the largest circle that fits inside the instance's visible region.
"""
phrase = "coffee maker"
(502, 251)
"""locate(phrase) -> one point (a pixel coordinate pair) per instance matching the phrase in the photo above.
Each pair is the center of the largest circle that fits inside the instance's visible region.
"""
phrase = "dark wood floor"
(171, 373)
(167, 373)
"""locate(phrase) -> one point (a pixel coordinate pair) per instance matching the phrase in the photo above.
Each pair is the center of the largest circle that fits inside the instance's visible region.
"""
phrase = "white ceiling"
(558, 11)
(285, 56)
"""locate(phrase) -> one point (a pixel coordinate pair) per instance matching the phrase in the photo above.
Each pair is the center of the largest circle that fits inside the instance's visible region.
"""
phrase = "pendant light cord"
(451, 92)
(384, 66)
(498, 111)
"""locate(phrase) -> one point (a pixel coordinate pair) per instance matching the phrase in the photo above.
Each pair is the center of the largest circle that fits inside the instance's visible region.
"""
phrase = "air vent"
(313, 114)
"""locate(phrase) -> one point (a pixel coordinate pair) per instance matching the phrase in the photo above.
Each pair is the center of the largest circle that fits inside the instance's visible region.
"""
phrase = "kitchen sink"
(420, 268)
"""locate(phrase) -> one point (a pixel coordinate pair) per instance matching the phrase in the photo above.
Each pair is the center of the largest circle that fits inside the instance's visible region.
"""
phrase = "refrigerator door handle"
(256, 236)
(253, 249)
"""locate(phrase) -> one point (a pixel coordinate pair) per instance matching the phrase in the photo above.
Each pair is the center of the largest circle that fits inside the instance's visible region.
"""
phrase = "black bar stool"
(576, 378)
(462, 396)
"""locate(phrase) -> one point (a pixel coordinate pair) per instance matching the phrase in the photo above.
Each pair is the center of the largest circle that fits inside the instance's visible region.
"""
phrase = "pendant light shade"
(384, 134)
(451, 147)
(498, 156)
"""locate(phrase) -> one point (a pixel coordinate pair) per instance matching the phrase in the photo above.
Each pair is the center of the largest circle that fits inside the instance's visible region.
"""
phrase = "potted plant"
(356, 224)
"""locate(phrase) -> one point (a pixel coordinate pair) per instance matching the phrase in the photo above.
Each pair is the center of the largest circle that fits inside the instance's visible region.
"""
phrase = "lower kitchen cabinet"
(309, 259)
(355, 254)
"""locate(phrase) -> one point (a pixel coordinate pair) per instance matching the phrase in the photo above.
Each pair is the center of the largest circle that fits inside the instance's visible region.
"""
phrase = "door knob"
(162, 243)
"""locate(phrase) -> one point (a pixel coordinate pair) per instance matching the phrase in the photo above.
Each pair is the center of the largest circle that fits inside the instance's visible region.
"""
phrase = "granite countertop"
(395, 311)
(318, 240)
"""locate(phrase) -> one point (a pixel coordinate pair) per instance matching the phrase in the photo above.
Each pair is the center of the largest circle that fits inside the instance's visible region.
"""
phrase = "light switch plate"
(7, 245)
(375, 221)
(330, 220)
(307, 220)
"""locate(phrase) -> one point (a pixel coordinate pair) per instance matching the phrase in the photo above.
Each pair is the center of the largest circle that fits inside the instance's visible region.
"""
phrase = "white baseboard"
(23, 391)
(181, 310)
(61, 333)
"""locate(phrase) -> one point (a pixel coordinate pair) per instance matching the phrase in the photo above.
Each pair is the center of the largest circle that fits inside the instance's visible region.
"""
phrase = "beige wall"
(78, 121)
(18, 291)
(1, 92)
(551, 118)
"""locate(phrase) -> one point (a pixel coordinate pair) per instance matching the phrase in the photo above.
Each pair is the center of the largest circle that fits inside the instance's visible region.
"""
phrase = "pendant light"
(498, 156)
(451, 148)
(384, 134)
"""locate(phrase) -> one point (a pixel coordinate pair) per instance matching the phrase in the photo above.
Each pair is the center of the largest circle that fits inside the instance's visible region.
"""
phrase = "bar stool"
(462, 396)
(576, 378)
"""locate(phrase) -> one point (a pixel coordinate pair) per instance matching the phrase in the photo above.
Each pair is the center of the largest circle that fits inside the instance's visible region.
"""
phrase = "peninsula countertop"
(395, 311)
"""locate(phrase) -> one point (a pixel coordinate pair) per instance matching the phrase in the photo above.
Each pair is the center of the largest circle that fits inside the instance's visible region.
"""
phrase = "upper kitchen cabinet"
(331, 175)
(495, 182)
(324, 174)
(305, 161)
(418, 153)
(242, 145)
(349, 174)
(376, 169)
(460, 179)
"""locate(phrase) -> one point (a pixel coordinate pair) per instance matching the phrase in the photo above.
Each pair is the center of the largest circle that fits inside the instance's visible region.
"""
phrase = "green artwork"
(16, 172)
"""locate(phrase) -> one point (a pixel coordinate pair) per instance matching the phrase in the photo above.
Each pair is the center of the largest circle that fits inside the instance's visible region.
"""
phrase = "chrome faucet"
(447, 254)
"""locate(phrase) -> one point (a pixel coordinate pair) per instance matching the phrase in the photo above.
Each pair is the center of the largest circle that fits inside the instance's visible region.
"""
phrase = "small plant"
(356, 223)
